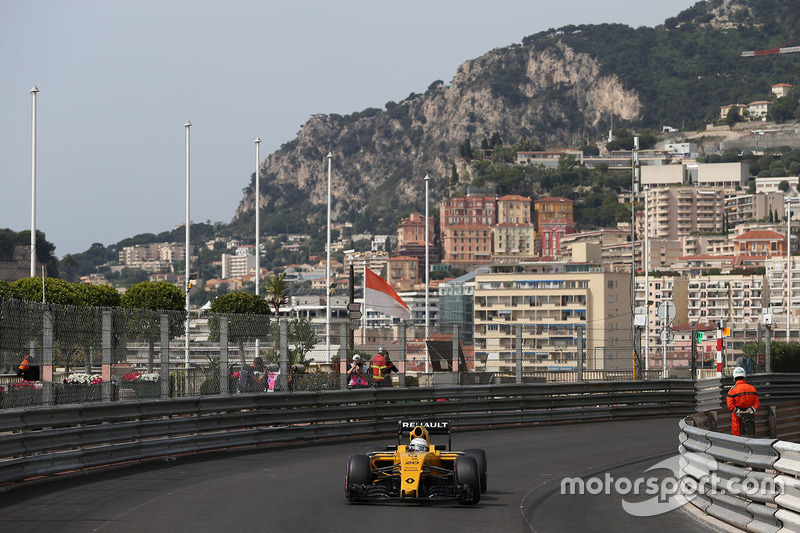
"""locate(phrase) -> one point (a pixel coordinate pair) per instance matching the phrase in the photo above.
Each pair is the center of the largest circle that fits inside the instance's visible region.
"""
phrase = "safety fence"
(749, 483)
(109, 354)
(116, 345)
(51, 440)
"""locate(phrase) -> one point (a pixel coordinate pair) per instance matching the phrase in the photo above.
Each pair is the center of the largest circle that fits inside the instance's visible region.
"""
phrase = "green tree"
(782, 109)
(783, 186)
(301, 340)
(247, 318)
(276, 288)
(152, 299)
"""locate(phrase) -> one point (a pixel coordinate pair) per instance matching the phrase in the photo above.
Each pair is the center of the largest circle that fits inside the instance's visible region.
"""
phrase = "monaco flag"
(379, 296)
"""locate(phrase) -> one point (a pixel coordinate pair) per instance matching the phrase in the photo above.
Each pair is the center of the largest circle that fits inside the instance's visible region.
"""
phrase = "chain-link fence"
(80, 354)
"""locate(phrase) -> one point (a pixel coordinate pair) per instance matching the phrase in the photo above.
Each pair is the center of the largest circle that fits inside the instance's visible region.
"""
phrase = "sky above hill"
(118, 80)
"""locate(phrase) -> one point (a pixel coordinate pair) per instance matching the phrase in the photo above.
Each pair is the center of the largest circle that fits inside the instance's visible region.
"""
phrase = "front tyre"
(358, 472)
(480, 458)
(465, 473)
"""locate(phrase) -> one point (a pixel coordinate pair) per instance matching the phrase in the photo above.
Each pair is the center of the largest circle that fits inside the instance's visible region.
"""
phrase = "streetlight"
(258, 212)
(329, 157)
(34, 92)
(258, 209)
(788, 264)
(188, 255)
(427, 272)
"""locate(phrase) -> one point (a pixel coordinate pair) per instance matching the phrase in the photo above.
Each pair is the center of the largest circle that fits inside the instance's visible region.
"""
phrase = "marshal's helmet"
(739, 373)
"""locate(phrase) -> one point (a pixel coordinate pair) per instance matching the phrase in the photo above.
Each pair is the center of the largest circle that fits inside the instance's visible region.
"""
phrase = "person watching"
(356, 374)
(252, 378)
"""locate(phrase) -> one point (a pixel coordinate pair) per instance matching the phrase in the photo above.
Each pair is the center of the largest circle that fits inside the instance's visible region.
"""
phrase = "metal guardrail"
(49, 440)
(739, 463)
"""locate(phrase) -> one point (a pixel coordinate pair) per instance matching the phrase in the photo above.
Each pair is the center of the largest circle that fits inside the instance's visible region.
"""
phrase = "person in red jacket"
(382, 368)
(741, 397)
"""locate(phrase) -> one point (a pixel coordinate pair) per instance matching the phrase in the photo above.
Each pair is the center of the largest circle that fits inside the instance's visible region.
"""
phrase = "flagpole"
(427, 275)
(364, 296)
(328, 268)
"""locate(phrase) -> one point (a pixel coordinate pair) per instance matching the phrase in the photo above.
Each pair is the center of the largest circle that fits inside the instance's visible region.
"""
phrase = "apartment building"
(675, 212)
(554, 220)
(603, 236)
(374, 261)
(777, 297)
(411, 241)
(402, 273)
(770, 184)
(760, 243)
(514, 235)
(724, 175)
(159, 251)
(699, 245)
(550, 300)
(411, 230)
(662, 255)
(466, 229)
(238, 266)
(743, 207)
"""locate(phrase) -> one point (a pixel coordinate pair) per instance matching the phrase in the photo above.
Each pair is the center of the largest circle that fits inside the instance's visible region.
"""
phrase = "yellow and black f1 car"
(417, 471)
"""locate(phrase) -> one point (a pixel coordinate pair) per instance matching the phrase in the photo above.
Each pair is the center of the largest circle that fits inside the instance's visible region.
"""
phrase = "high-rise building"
(466, 228)
(550, 301)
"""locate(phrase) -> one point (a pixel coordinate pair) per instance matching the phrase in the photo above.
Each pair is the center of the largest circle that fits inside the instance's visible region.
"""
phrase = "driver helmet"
(739, 372)
(419, 445)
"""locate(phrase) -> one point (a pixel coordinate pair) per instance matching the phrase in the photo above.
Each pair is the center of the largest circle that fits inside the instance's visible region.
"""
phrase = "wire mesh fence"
(81, 354)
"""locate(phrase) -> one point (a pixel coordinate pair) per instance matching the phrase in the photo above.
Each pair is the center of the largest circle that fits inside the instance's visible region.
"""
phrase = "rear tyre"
(465, 470)
(480, 458)
(358, 472)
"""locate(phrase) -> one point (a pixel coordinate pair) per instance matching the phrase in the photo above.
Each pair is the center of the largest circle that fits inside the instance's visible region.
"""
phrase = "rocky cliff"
(558, 88)
(380, 157)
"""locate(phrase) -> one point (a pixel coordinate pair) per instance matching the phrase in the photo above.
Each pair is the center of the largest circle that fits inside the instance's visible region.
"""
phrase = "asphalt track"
(301, 489)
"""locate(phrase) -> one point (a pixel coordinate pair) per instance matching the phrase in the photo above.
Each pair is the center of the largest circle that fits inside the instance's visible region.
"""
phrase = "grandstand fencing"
(85, 354)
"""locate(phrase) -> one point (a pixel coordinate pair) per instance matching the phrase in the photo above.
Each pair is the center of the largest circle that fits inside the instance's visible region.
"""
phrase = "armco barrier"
(44, 441)
(750, 483)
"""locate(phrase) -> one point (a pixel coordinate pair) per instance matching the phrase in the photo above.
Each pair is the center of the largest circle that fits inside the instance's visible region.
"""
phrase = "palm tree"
(275, 287)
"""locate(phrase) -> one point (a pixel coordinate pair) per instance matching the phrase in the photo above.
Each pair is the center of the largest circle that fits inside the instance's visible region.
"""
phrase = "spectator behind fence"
(356, 374)
(293, 371)
(252, 378)
(27, 370)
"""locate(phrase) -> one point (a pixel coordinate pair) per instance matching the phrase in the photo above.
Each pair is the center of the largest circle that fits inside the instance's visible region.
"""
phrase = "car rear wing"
(433, 427)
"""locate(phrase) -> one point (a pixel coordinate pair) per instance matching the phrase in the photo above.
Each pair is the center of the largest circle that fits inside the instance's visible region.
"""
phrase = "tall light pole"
(788, 266)
(258, 209)
(646, 259)
(34, 92)
(329, 157)
(427, 272)
(187, 253)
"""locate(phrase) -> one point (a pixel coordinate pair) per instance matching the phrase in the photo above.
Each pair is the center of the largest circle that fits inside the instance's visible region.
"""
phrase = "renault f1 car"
(418, 470)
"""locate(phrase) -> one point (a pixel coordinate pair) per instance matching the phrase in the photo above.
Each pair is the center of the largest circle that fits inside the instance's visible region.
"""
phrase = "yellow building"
(550, 301)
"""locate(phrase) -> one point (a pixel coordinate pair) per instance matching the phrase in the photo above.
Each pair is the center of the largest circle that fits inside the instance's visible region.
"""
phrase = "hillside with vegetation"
(558, 88)
(562, 87)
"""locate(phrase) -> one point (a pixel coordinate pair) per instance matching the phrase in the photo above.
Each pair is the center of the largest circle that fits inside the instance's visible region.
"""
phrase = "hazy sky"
(118, 80)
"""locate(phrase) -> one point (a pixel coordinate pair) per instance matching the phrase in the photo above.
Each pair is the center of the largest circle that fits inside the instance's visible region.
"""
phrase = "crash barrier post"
(45, 441)
(749, 483)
